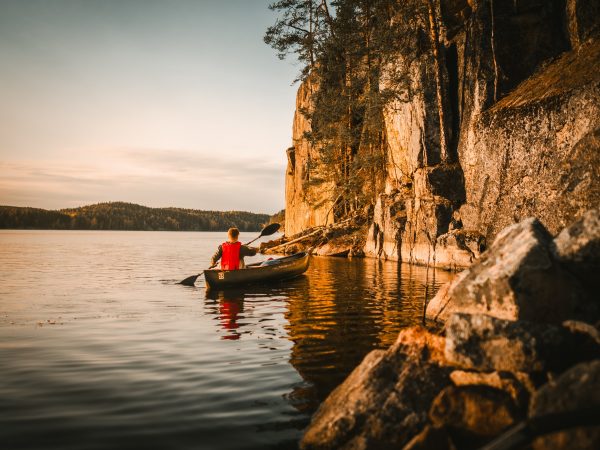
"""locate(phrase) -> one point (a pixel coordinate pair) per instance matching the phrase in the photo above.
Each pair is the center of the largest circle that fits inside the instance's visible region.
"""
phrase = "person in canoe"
(232, 252)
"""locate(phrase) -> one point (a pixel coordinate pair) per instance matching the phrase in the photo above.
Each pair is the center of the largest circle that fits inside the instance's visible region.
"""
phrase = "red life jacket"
(230, 259)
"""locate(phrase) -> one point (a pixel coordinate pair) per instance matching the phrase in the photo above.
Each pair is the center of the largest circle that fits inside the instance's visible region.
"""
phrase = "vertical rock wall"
(539, 158)
(520, 101)
(529, 124)
(306, 206)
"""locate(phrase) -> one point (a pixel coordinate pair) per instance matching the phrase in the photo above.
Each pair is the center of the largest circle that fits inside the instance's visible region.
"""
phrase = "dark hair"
(233, 232)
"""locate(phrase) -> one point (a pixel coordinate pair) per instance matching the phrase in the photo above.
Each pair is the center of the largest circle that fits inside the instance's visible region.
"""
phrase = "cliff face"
(528, 124)
(306, 206)
(536, 152)
(506, 127)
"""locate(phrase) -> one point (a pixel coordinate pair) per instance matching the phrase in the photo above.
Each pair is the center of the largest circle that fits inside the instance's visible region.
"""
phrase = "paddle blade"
(189, 281)
(270, 229)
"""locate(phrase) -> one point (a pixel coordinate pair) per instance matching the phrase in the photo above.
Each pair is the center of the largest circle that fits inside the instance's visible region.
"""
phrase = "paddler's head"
(233, 234)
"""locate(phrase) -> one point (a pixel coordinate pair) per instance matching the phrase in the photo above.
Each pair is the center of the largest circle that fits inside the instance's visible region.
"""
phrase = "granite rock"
(577, 248)
(385, 400)
(516, 278)
(485, 343)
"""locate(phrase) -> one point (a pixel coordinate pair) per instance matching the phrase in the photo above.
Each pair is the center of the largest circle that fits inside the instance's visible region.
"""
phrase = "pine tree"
(353, 55)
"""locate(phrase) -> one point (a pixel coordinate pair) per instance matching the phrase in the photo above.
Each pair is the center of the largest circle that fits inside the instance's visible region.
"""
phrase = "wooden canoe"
(272, 270)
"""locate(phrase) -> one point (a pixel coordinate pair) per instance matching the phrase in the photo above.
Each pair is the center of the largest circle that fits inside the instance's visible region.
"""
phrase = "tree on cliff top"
(301, 29)
(347, 52)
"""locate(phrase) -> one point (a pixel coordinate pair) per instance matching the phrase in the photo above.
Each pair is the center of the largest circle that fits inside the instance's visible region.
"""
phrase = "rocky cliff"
(502, 122)
(308, 207)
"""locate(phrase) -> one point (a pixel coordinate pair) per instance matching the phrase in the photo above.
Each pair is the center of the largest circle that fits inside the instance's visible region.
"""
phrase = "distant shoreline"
(120, 216)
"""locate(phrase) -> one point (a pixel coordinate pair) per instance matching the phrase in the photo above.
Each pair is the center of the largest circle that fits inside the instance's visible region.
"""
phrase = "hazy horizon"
(164, 104)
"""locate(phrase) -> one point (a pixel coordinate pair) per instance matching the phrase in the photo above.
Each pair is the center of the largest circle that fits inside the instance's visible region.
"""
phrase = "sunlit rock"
(305, 206)
(482, 342)
(474, 413)
(458, 249)
(385, 400)
(516, 384)
(535, 152)
(517, 278)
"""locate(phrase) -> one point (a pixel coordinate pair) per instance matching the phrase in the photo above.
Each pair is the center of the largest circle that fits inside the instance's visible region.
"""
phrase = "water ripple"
(100, 349)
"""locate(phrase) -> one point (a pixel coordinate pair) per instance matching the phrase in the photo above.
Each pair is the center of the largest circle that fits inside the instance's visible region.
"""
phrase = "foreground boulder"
(485, 343)
(431, 437)
(385, 401)
(517, 278)
(577, 388)
(473, 414)
(518, 385)
(577, 248)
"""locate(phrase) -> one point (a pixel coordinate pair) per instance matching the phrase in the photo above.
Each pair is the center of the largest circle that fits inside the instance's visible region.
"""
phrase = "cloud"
(184, 162)
(153, 177)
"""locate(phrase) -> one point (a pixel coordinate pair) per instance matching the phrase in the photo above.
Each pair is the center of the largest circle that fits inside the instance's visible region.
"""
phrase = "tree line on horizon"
(129, 216)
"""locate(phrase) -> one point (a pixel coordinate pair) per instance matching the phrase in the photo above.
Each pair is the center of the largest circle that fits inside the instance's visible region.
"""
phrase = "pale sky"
(157, 102)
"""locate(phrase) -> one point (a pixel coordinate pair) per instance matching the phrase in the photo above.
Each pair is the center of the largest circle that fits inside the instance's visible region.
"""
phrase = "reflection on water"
(336, 314)
(100, 349)
(230, 305)
(346, 310)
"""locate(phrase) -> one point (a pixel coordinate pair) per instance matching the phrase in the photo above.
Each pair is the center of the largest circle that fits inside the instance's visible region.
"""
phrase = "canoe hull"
(285, 268)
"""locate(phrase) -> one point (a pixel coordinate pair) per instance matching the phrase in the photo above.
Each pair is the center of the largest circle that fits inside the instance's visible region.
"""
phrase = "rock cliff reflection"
(334, 315)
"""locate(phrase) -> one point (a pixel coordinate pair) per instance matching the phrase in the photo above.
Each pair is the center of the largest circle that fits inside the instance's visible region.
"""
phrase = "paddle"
(189, 281)
(266, 231)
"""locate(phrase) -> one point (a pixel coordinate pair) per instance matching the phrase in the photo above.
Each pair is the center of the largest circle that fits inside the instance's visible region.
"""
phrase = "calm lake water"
(100, 349)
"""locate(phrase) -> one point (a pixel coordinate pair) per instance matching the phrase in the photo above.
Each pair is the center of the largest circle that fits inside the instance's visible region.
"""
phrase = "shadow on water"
(335, 314)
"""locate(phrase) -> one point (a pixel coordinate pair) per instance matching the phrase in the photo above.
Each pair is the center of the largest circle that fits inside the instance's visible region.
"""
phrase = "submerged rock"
(575, 389)
(517, 278)
(385, 400)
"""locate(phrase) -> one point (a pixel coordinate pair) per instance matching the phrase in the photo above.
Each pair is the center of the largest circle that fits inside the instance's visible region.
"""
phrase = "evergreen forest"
(129, 216)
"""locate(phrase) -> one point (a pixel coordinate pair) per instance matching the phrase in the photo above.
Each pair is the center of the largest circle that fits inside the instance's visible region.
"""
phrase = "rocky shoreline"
(490, 149)
(519, 347)
(343, 239)
(456, 249)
